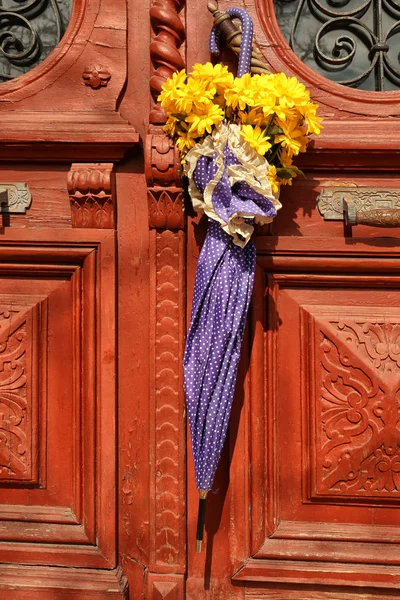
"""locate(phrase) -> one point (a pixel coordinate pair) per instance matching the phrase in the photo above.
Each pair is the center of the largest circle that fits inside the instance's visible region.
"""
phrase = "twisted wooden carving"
(232, 36)
(164, 49)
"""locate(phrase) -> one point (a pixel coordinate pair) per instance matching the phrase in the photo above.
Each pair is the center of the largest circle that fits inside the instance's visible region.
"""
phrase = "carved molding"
(166, 57)
(96, 77)
(75, 507)
(42, 581)
(165, 587)
(165, 197)
(168, 441)
(166, 208)
(162, 160)
(169, 422)
(91, 192)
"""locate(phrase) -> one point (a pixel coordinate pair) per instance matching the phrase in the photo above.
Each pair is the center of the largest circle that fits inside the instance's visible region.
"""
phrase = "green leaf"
(296, 170)
(179, 116)
(275, 130)
(284, 173)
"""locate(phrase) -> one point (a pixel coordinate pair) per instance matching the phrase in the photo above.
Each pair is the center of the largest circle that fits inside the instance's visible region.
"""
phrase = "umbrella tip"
(200, 519)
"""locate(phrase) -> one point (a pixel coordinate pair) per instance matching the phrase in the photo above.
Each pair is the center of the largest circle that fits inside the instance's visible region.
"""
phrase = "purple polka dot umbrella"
(233, 193)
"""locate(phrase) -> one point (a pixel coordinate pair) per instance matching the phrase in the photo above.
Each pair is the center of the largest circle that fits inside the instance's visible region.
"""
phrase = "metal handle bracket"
(14, 197)
(356, 205)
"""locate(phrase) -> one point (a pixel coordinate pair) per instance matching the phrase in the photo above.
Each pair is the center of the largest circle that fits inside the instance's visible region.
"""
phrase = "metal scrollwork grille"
(353, 42)
(29, 31)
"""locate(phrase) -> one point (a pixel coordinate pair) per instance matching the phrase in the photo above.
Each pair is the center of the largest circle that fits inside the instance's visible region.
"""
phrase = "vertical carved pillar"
(166, 577)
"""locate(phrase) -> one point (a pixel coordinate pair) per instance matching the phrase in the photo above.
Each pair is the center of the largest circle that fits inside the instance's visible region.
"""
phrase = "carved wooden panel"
(57, 419)
(324, 464)
(357, 384)
(23, 326)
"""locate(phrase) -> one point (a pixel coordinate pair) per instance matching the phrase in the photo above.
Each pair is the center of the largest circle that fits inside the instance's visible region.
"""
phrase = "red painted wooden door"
(97, 496)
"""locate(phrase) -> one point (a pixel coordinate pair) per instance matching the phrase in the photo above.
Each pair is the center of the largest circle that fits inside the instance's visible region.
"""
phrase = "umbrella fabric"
(223, 182)
(223, 287)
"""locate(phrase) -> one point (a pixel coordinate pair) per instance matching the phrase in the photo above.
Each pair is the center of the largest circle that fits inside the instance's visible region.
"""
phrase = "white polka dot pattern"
(247, 39)
(223, 287)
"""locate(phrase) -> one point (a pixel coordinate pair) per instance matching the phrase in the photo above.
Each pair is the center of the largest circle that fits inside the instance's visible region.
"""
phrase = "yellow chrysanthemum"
(253, 117)
(185, 142)
(171, 89)
(309, 113)
(263, 82)
(284, 112)
(285, 157)
(201, 121)
(290, 91)
(293, 138)
(170, 126)
(272, 178)
(272, 109)
(216, 76)
(241, 93)
(282, 181)
(195, 95)
(266, 101)
(256, 137)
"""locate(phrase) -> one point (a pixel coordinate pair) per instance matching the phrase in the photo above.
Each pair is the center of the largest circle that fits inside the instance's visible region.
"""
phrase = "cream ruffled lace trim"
(253, 169)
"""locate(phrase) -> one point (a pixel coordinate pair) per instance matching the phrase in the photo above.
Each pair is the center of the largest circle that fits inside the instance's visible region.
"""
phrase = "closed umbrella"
(232, 189)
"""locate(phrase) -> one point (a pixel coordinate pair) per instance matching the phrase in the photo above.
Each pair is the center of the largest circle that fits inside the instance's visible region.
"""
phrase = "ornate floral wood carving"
(357, 452)
(165, 208)
(20, 325)
(91, 192)
(164, 185)
(96, 77)
(162, 166)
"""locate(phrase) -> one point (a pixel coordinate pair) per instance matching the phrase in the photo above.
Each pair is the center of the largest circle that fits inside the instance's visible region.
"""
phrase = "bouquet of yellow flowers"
(273, 112)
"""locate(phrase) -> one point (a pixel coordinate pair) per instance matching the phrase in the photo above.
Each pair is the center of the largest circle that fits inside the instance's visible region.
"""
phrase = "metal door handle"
(376, 217)
(360, 206)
